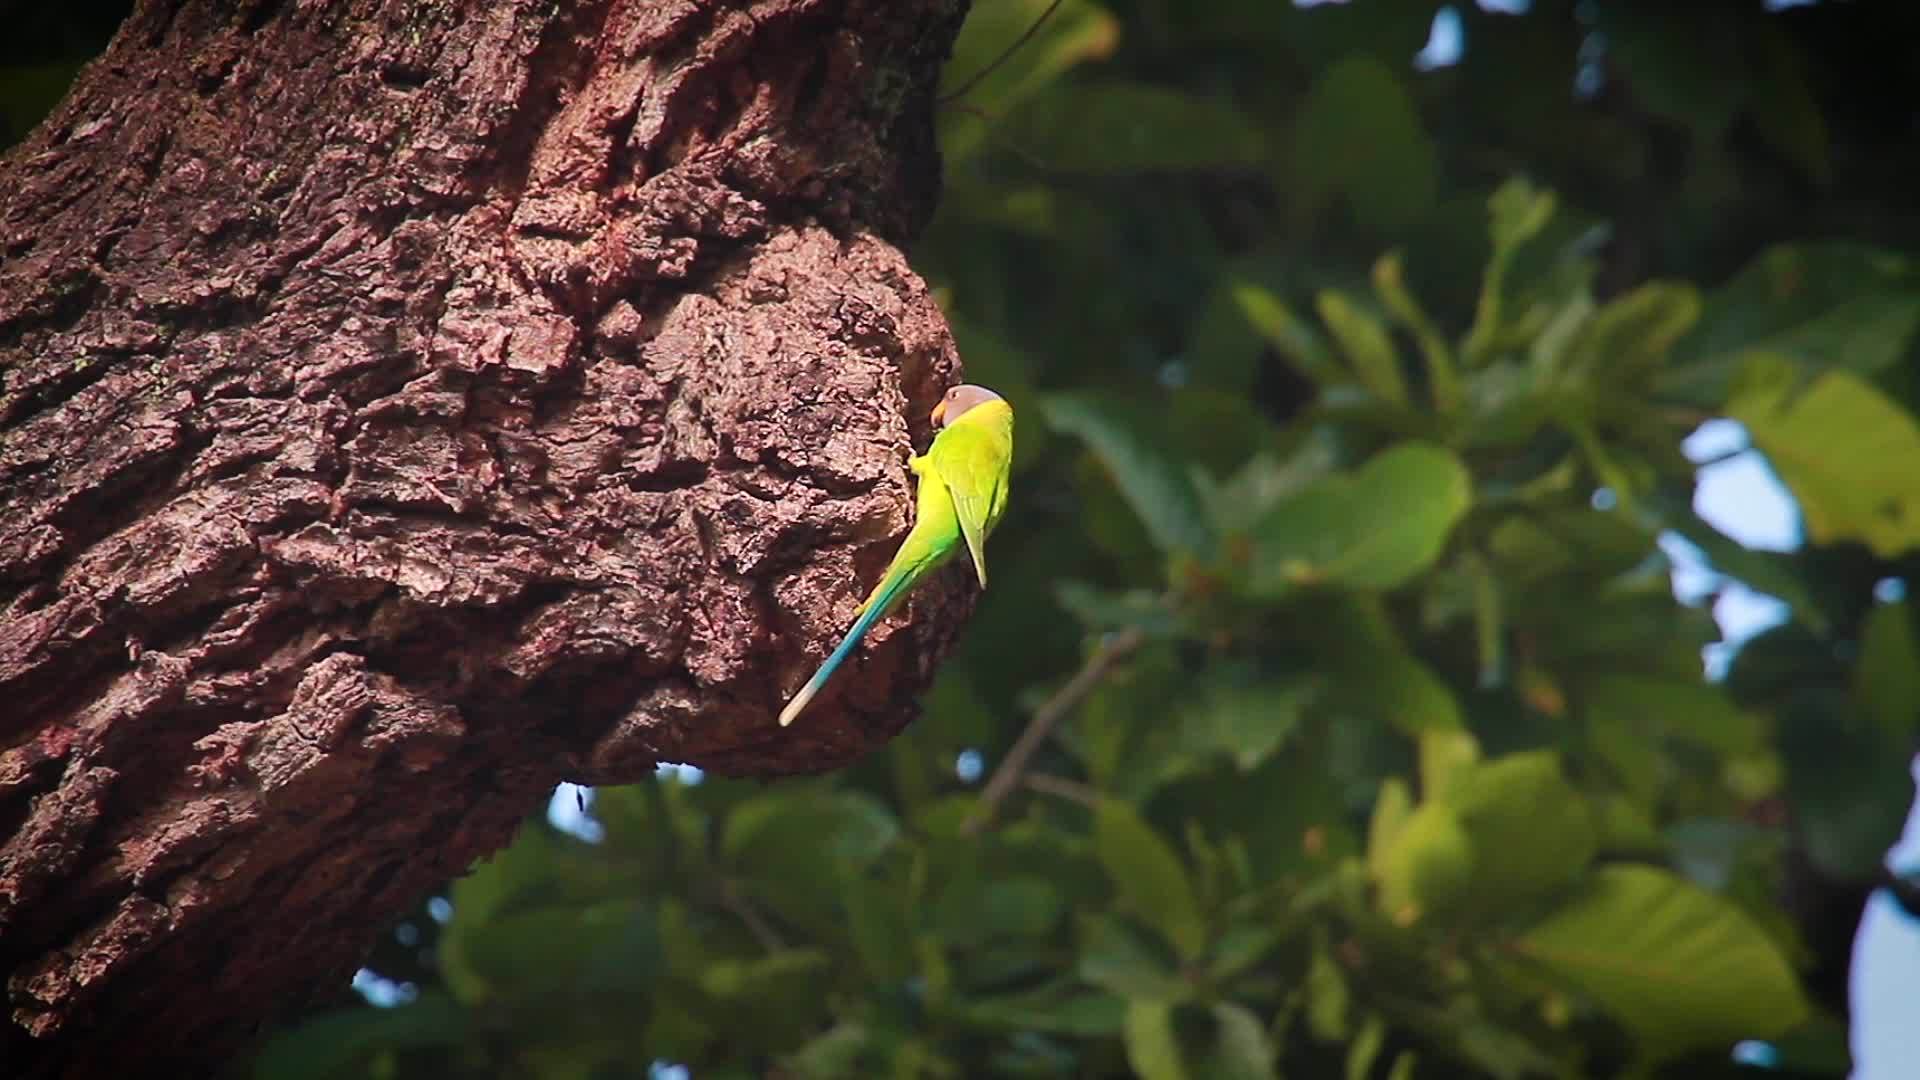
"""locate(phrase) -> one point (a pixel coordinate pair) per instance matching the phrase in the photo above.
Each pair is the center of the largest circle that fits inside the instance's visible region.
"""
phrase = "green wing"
(973, 461)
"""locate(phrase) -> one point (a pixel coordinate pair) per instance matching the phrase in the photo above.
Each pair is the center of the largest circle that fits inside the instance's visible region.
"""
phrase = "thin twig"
(1061, 787)
(992, 135)
(1045, 719)
(980, 75)
(733, 900)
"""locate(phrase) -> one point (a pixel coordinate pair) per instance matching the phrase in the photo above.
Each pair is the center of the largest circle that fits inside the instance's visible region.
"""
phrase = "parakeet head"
(958, 400)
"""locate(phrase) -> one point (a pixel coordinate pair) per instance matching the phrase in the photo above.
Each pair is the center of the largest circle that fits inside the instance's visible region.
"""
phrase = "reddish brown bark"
(404, 405)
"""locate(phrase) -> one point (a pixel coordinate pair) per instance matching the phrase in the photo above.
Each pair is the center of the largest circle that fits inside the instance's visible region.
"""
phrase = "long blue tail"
(876, 608)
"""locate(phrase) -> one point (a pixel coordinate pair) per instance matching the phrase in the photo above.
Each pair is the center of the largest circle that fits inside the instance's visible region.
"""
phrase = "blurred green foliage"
(1351, 399)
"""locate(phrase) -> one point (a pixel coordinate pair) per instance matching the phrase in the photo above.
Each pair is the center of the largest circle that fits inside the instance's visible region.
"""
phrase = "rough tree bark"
(405, 405)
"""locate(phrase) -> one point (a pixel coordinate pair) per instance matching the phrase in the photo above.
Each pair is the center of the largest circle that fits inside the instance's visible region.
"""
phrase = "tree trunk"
(405, 405)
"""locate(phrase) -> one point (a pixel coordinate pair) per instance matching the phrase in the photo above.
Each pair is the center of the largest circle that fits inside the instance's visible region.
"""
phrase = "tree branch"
(1061, 788)
(1114, 649)
(1006, 54)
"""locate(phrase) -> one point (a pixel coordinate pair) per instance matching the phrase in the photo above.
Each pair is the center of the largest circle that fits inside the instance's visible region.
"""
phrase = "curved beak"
(939, 415)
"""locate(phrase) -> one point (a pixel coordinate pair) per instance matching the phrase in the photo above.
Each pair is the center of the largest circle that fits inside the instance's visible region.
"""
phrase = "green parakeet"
(963, 492)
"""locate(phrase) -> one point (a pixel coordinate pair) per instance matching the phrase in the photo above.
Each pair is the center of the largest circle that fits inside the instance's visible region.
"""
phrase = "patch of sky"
(686, 774)
(570, 810)
(1881, 983)
(382, 992)
(1446, 41)
(1738, 494)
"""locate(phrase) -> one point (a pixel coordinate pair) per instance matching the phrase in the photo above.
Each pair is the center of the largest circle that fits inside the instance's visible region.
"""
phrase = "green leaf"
(1390, 177)
(333, 1044)
(1681, 968)
(1822, 307)
(1866, 334)
(1631, 335)
(1848, 804)
(1540, 545)
(494, 890)
(1886, 680)
(771, 1001)
(1696, 712)
(1055, 1008)
(1530, 830)
(1100, 610)
(1113, 127)
(1149, 875)
(1121, 435)
(1365, 341)
(1425, 867)
(1292, 821)
(1445, 753)
(1329, 998)
(1153, 1049)
(1847, 453)
(833, 1053)
(1390, 285)
(1239, 502)
(1624, 828)
(877, 921)
(1377, 677)
(1216, 431)
(1247, 722)
(1021, 906)
(1075, 33)
(1391, 809)
(851, 825)
(788, 848)
(1403, 691)
(1242, 1050)
(550, 949)
(977, 907)
(1517, 213)
(512, 873)
(1293, 337)
(1372, 529)
(1114, 957)
(1506, 404)
(1239, 948)
(1682, 65)
(1365, 1048)
(1489, 620)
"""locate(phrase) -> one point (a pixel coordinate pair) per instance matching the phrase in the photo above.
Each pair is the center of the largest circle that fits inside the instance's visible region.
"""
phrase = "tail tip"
(794, 707)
